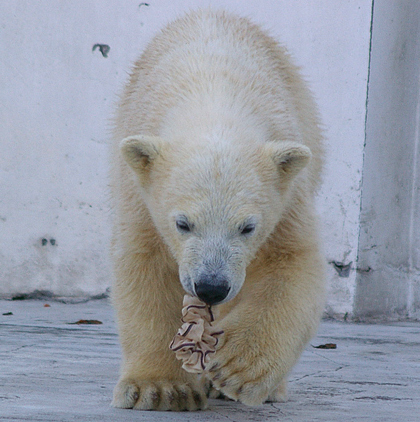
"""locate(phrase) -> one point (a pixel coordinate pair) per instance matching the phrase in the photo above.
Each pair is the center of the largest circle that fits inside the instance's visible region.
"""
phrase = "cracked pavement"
(53, 370)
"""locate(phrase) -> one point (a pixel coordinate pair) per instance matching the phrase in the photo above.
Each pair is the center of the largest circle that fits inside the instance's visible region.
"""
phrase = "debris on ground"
(326, 346)
(86, 321)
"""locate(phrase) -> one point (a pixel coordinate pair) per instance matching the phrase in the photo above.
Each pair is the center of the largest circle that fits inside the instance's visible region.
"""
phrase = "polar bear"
(216, 160)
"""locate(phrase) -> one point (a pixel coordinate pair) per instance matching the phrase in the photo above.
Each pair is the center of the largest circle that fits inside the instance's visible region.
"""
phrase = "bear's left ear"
(289, 157)
(140, 151)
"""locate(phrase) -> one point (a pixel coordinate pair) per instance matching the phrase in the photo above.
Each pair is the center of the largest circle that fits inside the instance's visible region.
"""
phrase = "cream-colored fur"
(216, 160)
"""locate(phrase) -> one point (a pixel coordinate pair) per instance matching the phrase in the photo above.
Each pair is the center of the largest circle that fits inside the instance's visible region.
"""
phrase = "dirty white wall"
(57, 96)
(388, 281)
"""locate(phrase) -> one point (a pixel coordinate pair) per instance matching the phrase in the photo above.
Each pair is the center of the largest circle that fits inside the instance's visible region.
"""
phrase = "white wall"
(57, 97)
(388, 281)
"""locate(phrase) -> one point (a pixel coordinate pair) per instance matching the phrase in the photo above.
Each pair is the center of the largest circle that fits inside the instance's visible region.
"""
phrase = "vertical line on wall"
(368, 75)
(411, 269)
(364, 142)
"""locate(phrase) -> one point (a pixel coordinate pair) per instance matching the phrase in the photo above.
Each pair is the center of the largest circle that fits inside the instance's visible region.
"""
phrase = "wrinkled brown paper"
(197, 339)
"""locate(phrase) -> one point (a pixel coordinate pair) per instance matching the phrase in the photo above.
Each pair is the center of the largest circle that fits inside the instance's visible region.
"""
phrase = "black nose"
(211, 293)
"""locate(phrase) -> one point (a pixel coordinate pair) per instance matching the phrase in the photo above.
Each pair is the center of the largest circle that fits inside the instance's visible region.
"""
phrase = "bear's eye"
(248, 229)
(183, 226)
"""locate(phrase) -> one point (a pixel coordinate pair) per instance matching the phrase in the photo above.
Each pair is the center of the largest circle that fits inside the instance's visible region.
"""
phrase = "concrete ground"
(51, 370)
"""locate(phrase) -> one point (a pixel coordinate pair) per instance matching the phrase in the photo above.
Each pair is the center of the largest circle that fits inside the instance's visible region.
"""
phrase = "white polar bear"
(216, 160)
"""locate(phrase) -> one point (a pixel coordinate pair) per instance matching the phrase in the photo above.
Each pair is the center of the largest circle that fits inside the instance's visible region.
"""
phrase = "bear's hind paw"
(158, 395)
(279, 395)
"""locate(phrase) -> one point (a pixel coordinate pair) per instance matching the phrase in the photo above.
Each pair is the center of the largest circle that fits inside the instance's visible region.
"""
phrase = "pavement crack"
(314, 374)
(328, 359)
(20, 348)
(382, 398)
(392, 384)
(224, 416)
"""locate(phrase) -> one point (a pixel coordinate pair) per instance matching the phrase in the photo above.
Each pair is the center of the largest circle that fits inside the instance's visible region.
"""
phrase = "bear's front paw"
(239, 377)
(158, 395)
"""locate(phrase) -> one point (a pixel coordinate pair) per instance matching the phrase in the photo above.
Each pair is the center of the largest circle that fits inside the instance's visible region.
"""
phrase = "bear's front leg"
(266, 330)
(148, 304)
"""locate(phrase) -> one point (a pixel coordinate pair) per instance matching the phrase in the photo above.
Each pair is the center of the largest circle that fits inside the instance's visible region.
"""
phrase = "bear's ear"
(289, 157)
(140, 151)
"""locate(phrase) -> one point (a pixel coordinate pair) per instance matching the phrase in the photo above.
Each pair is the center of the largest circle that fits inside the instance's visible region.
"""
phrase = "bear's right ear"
(140, 151)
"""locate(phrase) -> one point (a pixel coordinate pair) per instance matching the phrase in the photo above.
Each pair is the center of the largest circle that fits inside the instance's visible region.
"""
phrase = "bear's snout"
(211, 290)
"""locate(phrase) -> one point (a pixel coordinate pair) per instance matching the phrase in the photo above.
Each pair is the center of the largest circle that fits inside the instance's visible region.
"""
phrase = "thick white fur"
(220, 130)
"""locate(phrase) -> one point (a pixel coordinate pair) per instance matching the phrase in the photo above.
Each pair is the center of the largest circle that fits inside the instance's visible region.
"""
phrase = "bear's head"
(214, 205)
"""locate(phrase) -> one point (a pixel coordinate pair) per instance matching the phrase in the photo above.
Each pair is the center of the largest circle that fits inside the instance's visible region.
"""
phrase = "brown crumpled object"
(197, 338)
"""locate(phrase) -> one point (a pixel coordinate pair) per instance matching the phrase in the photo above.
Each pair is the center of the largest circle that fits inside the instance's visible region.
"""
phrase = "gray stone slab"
(51, 370)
